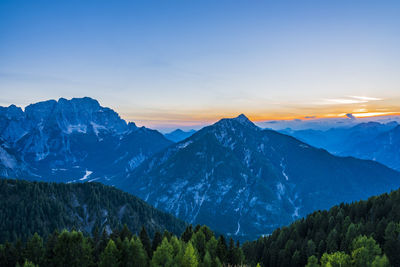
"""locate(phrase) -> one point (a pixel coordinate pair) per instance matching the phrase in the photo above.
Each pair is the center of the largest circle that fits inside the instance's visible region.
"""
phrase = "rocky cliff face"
(74, 140)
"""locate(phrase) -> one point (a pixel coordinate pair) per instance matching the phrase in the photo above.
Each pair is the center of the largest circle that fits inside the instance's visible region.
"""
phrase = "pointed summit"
(242, 119)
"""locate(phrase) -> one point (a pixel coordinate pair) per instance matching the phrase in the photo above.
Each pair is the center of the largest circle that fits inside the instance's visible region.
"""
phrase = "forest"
(364, 233)
(195, 247)
(39, 207)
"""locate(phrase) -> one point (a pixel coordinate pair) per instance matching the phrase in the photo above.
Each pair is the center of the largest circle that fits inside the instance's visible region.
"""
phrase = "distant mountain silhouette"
(372, 140)
(179, 135)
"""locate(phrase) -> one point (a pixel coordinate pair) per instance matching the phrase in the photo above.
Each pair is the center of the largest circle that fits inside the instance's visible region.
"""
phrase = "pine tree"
(365, 249)
(336, 259)
(222, 249)
(49, 257)
(167, 235)
(392, 243)
(29, 264)
(176, 245)
(126, 253)
(211, 247)
(187, 235)
(156, 240)
(139, 255)
(109, 257)
(207, 261)
(310, 250)
(163, 256)
(231, 252)
(381, 261)
(145, 239)
(207, 232)
(34, 250)
(72, 249)
(190, 258)
(312, 262)
(125, 233)
(199, 242)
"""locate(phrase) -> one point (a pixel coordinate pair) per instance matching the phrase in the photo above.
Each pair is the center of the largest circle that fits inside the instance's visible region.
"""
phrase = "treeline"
(341, 236)
(37, 207)
(365, 233)
(196, 247)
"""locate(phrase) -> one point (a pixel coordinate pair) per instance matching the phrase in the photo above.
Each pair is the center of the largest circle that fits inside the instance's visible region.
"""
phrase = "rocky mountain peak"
(11, 112)
(240, 120)
(77, 114)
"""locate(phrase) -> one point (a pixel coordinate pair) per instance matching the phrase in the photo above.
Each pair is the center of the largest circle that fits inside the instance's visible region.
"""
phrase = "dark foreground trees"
(328, 237)
(122, 248)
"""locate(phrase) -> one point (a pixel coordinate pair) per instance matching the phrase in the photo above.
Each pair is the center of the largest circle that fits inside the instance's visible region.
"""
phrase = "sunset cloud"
(349, 100)
(366, 98)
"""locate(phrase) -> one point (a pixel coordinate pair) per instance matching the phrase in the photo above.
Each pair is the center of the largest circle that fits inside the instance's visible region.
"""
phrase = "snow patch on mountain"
(97, 127)
(284, 170)
(136, 160)
(86, 176)
(6, 159)
(247, 157)
(183, 145)
(79, 128)
(280, 190)
(238, 228)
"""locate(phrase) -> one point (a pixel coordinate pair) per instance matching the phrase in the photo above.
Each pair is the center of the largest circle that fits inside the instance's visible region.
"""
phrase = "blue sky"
(185, 63)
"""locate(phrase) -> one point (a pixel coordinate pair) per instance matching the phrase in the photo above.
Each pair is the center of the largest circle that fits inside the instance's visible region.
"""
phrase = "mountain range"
(72, 140)
(372, 140)
(233, 176)
(179, 135)
(245, 181)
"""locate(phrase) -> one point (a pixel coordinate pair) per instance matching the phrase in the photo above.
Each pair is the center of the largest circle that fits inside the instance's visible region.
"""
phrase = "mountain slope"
(384, 148)
(370, 140)
(75, 140)
(29, 207)
(331, 231)
(179, 135)
(244, 181)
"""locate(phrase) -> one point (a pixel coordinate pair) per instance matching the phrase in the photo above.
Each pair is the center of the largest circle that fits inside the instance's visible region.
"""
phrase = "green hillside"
(29, 207)
(363, 229)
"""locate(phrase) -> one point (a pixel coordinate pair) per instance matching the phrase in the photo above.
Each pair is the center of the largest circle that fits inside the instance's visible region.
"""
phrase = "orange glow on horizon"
(199, 121)
(313, 109)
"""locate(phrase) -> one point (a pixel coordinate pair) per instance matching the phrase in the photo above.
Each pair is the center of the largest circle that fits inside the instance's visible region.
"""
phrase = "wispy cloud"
(366, 98)
(348, 100)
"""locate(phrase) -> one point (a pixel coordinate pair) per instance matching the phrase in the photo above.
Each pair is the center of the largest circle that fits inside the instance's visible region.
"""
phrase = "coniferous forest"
(195, 247)
(365, 233)
(38, 207)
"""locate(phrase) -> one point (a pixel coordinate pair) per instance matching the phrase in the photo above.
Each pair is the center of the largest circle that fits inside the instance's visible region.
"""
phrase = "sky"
(167, 63)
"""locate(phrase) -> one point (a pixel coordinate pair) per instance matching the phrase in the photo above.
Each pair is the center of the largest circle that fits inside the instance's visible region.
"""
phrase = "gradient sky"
(173, 63)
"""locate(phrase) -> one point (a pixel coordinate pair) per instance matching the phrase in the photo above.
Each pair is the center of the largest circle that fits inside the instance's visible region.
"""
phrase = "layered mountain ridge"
(179, 135)
(245, 181)
(233, 176)
(372, 140)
